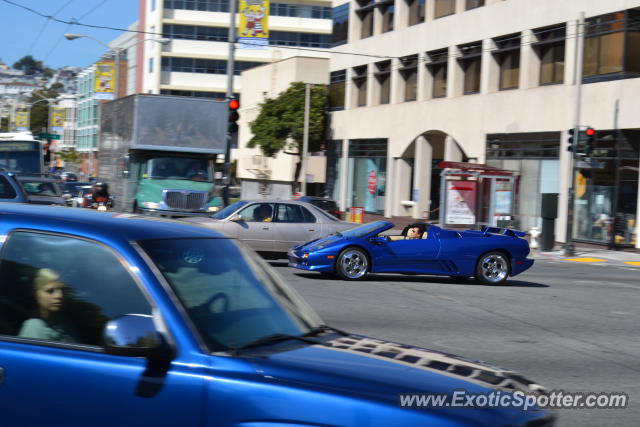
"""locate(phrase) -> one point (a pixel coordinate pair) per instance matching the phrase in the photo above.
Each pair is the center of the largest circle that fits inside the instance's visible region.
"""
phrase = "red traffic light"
(234, 104)
(590, 131)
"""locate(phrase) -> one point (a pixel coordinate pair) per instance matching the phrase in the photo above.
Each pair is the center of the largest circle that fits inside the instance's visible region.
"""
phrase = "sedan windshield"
(232, 297)
(365, 229)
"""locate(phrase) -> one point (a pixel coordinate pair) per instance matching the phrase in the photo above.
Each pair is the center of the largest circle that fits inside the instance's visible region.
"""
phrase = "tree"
(29, 65)
(280, 124)
(40, 110)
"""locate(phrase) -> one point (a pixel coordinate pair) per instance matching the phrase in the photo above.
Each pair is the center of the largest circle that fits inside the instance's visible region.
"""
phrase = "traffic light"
(590, 141)
(571, 140)
(234, 104)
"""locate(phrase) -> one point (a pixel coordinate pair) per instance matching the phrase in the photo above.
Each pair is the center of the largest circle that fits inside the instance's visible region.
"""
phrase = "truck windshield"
(178, 168)
(231, 295)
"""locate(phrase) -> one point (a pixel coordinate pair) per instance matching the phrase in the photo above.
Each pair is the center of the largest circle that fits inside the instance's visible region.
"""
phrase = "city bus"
(21, 153)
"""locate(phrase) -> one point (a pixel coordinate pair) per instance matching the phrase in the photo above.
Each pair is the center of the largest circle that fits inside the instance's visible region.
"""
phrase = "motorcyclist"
(100, 193)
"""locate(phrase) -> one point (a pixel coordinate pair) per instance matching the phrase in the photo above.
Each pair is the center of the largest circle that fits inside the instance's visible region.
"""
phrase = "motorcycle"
(100, 203)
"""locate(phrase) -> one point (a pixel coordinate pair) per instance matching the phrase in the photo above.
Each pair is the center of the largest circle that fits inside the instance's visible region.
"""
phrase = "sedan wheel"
(352, 264)
(492, 268)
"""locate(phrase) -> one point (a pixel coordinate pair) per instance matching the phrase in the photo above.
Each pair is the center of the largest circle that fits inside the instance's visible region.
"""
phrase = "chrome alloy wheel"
(494, 268)
(353, 264)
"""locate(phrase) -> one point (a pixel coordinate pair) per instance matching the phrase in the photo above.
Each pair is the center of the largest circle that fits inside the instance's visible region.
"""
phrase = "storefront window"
(368, 173)
(606, 190)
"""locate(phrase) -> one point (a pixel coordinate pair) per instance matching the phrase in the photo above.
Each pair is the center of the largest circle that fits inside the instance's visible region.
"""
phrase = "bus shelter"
(473, 194)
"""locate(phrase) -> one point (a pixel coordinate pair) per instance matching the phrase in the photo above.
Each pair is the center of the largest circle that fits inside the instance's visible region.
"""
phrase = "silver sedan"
(273, 225)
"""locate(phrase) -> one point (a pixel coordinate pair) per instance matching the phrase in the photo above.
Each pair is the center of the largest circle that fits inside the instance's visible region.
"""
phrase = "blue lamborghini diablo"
(490, 255)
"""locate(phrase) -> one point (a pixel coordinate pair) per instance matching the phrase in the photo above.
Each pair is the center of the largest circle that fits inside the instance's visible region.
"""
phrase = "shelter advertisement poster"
(254, 24)
(461, 202)
(105, 80)
(56, 123)
(22, 120)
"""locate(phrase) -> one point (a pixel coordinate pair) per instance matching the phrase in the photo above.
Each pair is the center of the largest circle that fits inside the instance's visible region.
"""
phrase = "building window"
(507, 55)
(153, 5)
(365, 14)
(299, 11)
(367, 173)
(472, 4)
(360, 83)
(197, 94)
(409, 73)
(611, 46)
(202, 5)
(387, 10)
(437, 66)
(383, 77)
(286, 38)
(416, 11)
(191, 32)
(470, 62)
(538, 145)
(150, 65)
(444, 8)
(337, 80)
(550, 47)
(205, 66)
(340, 33)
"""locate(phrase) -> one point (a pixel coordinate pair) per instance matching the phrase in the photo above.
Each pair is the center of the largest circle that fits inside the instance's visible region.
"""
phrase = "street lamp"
(73, 36)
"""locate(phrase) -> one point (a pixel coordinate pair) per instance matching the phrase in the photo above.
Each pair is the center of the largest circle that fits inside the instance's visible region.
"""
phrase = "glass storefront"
(367, 174)
(606, 190)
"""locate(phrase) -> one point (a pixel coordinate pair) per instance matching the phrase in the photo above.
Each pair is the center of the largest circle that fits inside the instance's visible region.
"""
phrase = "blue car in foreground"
(110, 319)
(490, 255)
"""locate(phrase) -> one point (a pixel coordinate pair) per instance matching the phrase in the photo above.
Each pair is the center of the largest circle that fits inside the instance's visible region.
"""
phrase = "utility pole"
(569, 249)
(305, 139)
(230, 73)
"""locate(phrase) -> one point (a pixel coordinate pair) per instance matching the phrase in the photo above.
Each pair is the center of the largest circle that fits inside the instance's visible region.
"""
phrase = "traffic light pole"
(569, 249)
(230, 73)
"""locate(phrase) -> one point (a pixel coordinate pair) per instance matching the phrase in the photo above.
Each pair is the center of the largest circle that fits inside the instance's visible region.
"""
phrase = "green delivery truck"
(158, 153)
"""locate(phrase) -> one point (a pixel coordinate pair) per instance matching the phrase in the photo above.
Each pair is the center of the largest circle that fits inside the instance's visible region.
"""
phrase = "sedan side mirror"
(378, 240)
(236, 218)
(134, 335)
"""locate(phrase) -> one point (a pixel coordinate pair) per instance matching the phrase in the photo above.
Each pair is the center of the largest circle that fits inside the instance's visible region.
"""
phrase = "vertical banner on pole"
(105, 80)
(57, 119)
(254, 24)
(22, 120)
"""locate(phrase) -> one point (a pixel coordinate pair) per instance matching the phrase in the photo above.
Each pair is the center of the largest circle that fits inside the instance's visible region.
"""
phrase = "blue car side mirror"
(134, 335)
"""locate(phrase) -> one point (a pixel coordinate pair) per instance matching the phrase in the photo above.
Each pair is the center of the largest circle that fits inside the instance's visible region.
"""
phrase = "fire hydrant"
(534, 233)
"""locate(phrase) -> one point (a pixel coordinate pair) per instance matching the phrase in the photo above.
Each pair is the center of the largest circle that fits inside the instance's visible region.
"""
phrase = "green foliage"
(280, 124)
(40, 110)
(4, 124)
(29, 65)
(70, 156)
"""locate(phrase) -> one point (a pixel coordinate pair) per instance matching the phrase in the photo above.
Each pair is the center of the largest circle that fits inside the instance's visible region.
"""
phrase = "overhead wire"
(44, 26)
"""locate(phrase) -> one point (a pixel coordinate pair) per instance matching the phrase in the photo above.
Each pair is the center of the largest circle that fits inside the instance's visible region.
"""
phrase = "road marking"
(632, 262)
(585, 259)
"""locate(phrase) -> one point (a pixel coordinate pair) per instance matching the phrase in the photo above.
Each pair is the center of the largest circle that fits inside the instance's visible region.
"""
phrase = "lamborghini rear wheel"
(352, 264)
(492, 268)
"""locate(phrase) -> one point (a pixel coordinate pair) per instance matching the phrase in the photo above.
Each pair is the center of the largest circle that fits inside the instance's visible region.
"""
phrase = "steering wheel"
(205, 308)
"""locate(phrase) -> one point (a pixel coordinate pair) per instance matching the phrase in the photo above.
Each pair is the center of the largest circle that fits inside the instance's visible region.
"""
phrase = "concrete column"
(430, 10)
(349, 92)
(389, 201)
(344, 175)
(529, 62)
(490, 71)
(455, 75)
(355, 25)
(422, 175)
(401, 17)
(423, 75)
(460, 6)
(452, 152)
(371, 85)
(397, 83)
(401, 187)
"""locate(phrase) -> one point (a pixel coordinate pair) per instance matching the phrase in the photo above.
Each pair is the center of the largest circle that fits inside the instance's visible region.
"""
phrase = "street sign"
(48, 136)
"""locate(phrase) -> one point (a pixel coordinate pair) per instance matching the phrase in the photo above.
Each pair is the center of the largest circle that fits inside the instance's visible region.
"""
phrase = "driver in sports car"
(414, 231)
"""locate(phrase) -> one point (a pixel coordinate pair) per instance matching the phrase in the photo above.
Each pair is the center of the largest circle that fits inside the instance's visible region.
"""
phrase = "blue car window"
(231, 296)
(6, 190)
(63, 289)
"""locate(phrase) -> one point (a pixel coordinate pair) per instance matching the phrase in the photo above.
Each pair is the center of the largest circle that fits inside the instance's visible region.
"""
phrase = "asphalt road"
(565, 325)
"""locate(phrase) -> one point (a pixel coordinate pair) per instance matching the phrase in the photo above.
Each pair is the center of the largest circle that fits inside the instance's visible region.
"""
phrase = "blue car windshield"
(231, 295)
(228, 210)
(364, 229)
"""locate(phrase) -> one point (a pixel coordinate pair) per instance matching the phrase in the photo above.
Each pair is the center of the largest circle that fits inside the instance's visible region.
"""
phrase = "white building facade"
(195, 62)
(488, 81)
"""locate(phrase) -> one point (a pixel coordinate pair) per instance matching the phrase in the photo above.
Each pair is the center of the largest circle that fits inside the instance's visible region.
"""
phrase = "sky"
(24, 33)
